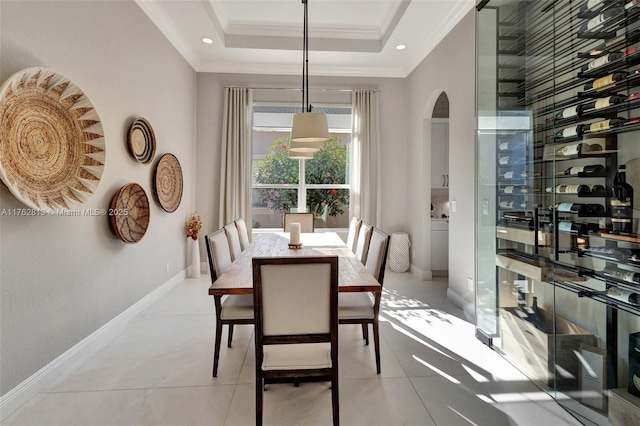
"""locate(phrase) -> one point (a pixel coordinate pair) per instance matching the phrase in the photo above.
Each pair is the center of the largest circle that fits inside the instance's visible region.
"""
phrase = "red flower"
(334, 192)
(284, 147)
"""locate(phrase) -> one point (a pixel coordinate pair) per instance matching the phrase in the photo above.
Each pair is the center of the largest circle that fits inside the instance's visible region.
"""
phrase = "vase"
(195, 258)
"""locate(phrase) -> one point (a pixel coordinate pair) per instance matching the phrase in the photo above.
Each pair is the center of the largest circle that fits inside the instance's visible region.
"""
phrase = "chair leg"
(335, 400)
(230, 335)
(259, 403)
(365, 333)
(376, 342)
(216, 350)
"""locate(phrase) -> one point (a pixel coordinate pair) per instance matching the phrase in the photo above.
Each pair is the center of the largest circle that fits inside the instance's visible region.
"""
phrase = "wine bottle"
(503, 160)
(601, 61)
(569, 112)
(577, 227)
(622, 274)
(506, 204)
(624, 295)
(508, 175)
(592, 169)
(631, 4)
(571, 132)
(604, 82)
(601, 103)
(603, 125)
(568, 189)
(573, 149)
(617, 254)
(592, 6)
(622, 203)
(596, 188)
(581, 209)
(601, 20)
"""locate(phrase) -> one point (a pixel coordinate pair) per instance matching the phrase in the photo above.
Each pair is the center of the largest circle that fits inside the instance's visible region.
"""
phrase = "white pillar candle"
(294, 233)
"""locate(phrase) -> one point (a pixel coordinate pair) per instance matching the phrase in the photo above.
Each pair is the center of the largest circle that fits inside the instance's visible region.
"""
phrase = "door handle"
(443, 180)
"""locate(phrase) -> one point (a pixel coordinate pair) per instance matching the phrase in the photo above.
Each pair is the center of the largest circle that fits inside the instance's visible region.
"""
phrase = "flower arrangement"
(193, 226)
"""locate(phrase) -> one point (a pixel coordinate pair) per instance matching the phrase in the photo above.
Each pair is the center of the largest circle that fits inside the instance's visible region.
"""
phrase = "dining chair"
(304, 219)
(352, 236)
(243, 233)
(234, 240)
(234, 309)
(362, 243)
(296, 333)
(364, 308)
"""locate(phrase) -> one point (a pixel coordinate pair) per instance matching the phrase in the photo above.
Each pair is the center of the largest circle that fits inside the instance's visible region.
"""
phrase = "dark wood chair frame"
(276, 376)
(376, 306)
(218, 304)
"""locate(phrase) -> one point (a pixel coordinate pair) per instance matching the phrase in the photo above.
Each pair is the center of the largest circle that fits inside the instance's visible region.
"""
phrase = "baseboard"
(467, 307)
(80, 352)
(423, 275)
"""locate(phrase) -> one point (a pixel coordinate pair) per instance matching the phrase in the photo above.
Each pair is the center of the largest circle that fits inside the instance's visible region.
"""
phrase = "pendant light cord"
(305, 61)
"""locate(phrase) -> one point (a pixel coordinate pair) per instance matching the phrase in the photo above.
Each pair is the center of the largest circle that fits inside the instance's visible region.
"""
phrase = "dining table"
(353, 276)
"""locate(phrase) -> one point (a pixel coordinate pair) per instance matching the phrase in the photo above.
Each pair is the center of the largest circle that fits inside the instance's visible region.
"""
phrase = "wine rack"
(564, 122)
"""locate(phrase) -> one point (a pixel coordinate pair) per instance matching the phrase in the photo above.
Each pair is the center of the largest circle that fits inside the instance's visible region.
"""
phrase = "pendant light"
(309, 129)
(301, 155)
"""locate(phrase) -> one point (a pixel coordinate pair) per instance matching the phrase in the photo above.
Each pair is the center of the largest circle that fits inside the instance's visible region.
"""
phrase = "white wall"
(64, 277)
(450, 67)
(394, 133)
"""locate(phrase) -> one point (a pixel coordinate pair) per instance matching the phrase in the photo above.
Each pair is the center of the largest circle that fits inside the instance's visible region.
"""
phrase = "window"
(280, 184)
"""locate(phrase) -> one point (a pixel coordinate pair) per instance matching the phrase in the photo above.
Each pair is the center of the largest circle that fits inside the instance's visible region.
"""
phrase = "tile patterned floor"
(158, 372)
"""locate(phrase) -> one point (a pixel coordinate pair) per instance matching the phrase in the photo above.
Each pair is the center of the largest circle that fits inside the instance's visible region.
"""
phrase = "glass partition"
(557, 244)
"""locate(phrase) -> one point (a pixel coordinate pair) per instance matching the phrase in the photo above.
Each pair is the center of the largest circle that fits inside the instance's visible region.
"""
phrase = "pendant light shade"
(309, 129)
(297, 155)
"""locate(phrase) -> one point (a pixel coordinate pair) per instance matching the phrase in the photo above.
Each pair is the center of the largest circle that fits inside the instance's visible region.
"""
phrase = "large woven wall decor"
(168, 182)
(52, 147)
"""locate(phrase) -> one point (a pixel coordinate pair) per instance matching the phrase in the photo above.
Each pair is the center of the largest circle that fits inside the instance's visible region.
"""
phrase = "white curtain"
(235, 156)
(365, 158)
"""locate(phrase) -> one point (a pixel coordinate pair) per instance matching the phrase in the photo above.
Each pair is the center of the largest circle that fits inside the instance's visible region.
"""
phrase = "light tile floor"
(434, 372)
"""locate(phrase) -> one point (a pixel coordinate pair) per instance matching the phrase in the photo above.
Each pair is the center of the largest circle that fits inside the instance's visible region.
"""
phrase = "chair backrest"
(352, 237)
(243, 233)
(218, 253)
(289, 309)
(362, 245)
(377, 256)
(234, 240)
(304, 219)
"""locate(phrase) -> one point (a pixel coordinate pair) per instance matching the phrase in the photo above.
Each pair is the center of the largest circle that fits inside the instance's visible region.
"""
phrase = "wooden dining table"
(352, 274)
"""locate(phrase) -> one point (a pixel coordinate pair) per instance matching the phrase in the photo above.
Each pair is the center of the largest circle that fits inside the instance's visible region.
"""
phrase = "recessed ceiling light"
(401, 47)
(207, 40)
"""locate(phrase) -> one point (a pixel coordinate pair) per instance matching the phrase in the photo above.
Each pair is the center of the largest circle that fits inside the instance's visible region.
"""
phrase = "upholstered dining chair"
(352, 236)
(234, 240)
(234, 309)
(364, 308)
(304, 219)
(296, 334)
(243, 233)
(362, 243)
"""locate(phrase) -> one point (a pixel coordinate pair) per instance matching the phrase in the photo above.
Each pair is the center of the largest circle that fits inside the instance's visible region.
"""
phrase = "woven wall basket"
(129, 213)
(168, 182)
(52, 148)
(142, 141)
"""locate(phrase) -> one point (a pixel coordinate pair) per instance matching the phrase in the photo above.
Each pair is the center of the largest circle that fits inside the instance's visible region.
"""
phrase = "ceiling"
(346, 37)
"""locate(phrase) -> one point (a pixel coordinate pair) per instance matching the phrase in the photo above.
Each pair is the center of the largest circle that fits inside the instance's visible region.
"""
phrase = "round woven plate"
(168, 182)
(142, 141)
(129, 213)
(52, 148)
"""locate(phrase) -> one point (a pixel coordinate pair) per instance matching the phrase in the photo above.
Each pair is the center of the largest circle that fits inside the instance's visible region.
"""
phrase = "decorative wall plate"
(52, 148)
(168, 182)
(142, 141)
(129, 213)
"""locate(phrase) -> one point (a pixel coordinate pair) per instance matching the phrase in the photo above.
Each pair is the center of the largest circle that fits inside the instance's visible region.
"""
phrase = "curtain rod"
(296, 89)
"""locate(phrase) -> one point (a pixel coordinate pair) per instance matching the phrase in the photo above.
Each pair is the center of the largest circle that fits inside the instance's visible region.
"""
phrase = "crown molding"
(164, 23)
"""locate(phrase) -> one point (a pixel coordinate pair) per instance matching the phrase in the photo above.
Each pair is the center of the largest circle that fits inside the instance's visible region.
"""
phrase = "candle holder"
(295, 246)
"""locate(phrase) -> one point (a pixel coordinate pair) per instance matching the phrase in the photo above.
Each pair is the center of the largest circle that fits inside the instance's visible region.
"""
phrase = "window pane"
(270, 203)
(330, 206)
(329, 165)
(272, 164)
